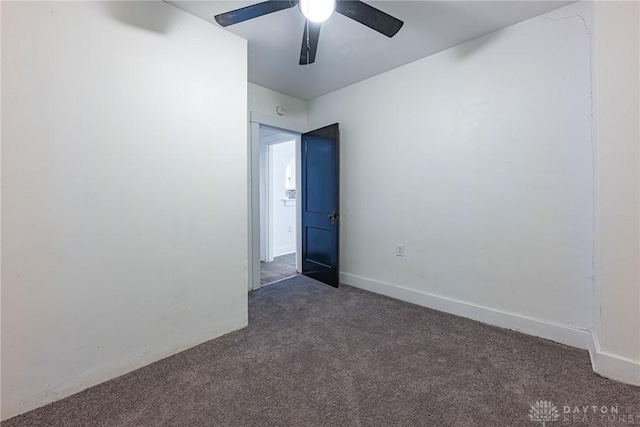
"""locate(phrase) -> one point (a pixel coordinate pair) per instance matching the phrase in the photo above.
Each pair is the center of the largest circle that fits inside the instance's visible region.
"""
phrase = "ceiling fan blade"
(253, 11)
(309, 43)
(369, 16)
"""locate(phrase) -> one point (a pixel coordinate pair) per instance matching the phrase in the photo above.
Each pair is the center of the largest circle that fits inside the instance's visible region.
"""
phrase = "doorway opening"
(278, 204)
(310, 180)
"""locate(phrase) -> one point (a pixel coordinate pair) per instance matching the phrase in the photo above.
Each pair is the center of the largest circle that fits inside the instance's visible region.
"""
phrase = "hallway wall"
(284, 211)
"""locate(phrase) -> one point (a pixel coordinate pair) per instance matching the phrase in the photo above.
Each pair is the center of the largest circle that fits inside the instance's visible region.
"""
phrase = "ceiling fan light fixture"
(317, 10)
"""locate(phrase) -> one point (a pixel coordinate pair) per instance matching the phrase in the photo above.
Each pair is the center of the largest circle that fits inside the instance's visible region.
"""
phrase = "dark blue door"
(320, 208)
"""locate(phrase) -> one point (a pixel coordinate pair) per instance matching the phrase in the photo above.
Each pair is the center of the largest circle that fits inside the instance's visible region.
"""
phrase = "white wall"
(264, 101)
(478, 160)
(617, 74)
(124, 170)
(284, 214)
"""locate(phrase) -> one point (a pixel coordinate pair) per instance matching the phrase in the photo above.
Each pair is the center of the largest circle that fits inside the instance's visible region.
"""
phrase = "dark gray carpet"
(317, 356)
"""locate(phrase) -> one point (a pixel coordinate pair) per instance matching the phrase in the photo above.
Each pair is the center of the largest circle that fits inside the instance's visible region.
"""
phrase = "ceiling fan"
(315, 12)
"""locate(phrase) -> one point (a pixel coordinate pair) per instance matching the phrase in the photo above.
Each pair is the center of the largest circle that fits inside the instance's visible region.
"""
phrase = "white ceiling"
(349, 52)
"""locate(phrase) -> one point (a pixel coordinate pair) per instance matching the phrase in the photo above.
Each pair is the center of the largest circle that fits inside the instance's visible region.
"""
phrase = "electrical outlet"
(400, 250)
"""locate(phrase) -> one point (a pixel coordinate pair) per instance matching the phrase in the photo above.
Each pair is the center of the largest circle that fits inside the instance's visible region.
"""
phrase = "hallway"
(282, 267)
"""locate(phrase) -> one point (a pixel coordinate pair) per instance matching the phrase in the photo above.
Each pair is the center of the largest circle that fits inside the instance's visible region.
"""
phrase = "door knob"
(334, 217)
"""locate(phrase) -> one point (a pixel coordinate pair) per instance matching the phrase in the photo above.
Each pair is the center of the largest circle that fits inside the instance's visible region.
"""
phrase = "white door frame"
(255, 120)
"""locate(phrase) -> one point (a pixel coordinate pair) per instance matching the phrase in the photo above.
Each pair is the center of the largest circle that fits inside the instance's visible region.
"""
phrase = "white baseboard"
(559, 333)
(606, 364)
(612, 366)
(284, 250)
(35, 398)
